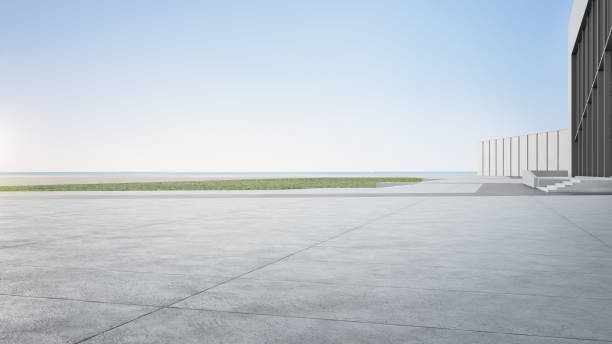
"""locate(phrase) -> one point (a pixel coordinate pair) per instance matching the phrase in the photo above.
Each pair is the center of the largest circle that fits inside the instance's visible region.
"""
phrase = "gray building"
(590, 88)
(585, 148)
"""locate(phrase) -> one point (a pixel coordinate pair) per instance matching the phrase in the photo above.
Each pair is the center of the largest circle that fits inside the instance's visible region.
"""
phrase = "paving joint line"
(118, 325)
(576, 225)
(302, 250)
(442, 267)
(250, 271)
(157, 308)
(484, 292)
(79, 300)
(113, 270)
(392, 324)
(496, 253)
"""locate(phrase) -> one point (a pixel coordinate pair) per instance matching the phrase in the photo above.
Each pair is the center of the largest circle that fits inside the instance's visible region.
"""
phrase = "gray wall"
(510, 156)
(578, 9)
(590, 86)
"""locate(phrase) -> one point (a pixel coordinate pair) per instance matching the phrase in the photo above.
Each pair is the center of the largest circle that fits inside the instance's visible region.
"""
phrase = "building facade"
(512, 156)
(590, 88)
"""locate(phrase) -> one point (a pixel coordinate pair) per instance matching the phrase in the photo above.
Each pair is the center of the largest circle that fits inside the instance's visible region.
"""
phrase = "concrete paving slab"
(429, 187)
(459, 258)
(195, 327)
(507, 189)
(479, 224)
(569, 284)
(548, 316)
(150, 289)
(590, 216)
(27, 320)
(470, 262)
(137, 260)
(475, 180)
(475, 244)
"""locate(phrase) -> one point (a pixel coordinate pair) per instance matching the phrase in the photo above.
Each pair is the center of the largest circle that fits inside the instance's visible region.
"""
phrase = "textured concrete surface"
(520, 269)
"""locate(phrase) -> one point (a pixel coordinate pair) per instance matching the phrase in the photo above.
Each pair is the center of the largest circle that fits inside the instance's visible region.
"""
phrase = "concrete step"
(582, 185)
(561, 186)
(542, 179)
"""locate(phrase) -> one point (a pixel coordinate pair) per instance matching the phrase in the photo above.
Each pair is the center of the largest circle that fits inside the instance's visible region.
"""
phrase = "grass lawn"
(237, 184)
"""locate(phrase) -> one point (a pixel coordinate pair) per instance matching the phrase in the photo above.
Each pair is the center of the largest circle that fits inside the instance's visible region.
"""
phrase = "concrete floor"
(516, 269)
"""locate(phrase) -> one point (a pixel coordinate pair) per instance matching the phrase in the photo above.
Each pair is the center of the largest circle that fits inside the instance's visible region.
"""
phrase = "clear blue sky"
(275, 85)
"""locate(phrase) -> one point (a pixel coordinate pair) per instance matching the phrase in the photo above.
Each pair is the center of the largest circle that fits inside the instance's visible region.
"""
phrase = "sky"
(312, 85)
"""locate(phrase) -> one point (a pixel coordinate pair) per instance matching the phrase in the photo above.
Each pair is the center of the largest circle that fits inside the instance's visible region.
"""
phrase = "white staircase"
(559, 186)
(582, 185)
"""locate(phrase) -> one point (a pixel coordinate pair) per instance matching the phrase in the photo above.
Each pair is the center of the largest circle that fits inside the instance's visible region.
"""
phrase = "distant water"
(231, 174)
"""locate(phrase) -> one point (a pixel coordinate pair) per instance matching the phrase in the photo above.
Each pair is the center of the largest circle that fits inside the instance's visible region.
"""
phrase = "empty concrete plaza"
(307, 269)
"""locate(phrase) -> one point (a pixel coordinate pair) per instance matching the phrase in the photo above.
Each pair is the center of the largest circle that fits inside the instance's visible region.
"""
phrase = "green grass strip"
(236, 184)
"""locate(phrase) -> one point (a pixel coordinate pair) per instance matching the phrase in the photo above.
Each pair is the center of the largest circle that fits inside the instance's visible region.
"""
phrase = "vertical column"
(589, 49)
(537, 151)
(592, 136)
(601, 30)
(589, 119)
(565, 145)
(500, 157)
(585, 91)
(542, 151)
(515, 156)
(553, 151)
(582, 82)
(518, 153)
(608, 10)
(599, 118)
(503, 157)
(486, 158)
(607, 117)
(480, 159)
(493, 150)
(532, 149)
(510, 155)
(585, 94)
(575, 107)
(596, 33)
(507, 147)
(524, 155)
(583, 142)
(558, 149)
(490, 157)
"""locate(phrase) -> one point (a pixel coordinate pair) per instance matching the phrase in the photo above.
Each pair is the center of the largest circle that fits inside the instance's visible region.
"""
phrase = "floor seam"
(300, 250)
(606, 257)
(575, 225)
(118, 325)
(78, 300)
(117, 270)
(158, 308)
(484, 292)
(442, 267)
(252, 270)
(388, 324)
